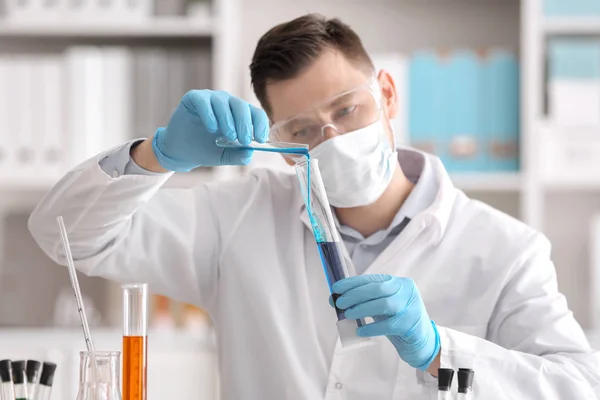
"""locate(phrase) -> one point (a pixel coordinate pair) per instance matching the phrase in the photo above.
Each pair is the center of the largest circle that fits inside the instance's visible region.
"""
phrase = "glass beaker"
(334, 257)
(99, 375)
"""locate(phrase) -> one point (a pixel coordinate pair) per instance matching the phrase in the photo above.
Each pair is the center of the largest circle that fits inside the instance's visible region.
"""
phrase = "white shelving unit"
(571, 26)
(536, 29)
(217, 29)
(159, 27)
(559, 206)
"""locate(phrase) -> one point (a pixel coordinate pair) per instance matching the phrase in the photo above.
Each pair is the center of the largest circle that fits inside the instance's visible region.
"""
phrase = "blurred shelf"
(487, 182)
(556, 128)
(105, 338)
(158, 27)
(572, 26)
(572, 184)
(14, 183)
(42, 184)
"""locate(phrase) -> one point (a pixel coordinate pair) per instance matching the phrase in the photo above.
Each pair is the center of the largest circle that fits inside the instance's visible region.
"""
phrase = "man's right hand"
(201, 117)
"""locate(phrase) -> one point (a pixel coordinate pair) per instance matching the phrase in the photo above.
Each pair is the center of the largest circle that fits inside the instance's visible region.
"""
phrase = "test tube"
(135, 341)
(334, 258)
(465, 384)
(8, 391)
(445, 376)
(44, 389)
(20, 384)
(32, 372)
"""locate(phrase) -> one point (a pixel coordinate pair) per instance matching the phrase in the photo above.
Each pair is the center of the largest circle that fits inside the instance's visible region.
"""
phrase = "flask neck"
(100, 372)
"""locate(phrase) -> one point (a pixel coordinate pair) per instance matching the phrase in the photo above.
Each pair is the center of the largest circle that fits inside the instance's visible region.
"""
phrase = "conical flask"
(99, 374)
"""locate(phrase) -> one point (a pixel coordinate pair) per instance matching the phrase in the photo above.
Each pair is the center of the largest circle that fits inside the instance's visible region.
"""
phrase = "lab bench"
(180, 363)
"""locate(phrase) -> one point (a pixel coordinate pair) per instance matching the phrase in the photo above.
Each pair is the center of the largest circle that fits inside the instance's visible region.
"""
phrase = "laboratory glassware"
(75, 283)
(445, 377)
(99, 375)
(8, 391)
(135, 341)
(19, 382)
(465, 384)
(32, 373)
(334, 258)
(292, 150)
(44, 389)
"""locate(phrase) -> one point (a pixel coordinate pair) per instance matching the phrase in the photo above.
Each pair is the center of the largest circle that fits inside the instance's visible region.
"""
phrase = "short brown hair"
(286, 49)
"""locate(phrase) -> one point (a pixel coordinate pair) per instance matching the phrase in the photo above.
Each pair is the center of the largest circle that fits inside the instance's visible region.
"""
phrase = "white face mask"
(356, 167)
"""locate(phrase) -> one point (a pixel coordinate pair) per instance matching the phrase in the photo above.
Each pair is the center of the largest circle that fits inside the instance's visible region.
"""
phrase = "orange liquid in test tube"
(135, 342)
(135, 354)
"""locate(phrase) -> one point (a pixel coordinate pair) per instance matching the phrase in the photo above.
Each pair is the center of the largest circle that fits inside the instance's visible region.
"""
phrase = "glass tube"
(32, 372)
(99, 375)
(20, 384)
(135, 341)
(6, 386)
(46, 381)
(445, 377)
(334, 258)
(465, 383)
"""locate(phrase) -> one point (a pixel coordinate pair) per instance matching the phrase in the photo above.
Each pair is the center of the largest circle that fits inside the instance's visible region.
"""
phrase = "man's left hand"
(399, 313)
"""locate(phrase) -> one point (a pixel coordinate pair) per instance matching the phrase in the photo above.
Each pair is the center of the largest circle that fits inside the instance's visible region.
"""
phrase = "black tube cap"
(5, 371)
(465, 380)
(47, 378)
(31, 370)
(18, 370)
(445, 376)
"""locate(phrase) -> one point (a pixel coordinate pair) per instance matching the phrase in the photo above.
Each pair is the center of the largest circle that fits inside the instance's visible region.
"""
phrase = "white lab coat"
(243, 250)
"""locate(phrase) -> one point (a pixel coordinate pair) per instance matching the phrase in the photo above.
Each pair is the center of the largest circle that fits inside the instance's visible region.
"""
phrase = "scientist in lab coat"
(450, 281)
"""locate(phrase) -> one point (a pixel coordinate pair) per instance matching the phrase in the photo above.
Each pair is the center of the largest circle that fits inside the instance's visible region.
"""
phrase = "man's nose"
(329, 131)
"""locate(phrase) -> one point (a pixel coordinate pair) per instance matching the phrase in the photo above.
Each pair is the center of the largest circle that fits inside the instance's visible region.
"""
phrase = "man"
(448, 281)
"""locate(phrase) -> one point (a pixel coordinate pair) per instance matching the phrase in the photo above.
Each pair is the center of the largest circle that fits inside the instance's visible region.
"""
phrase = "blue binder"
(463, 143)
(424, 102)
(571, 8)
(501, 112)
(574, 58)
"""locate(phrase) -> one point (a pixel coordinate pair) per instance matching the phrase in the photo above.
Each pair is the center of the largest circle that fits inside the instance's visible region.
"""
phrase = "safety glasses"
(346, 112)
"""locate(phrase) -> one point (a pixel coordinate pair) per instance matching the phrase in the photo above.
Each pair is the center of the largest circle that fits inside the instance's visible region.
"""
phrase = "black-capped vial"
(7, 390)
(465, 383)
(33, 371)
(20, 384)
(445, 377)
(46, 381)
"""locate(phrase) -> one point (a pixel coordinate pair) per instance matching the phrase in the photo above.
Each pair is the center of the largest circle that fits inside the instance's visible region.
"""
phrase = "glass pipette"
(274, 147)
(75, 283)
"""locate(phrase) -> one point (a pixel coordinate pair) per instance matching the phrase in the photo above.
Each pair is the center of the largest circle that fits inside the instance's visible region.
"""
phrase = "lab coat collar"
(438, 213)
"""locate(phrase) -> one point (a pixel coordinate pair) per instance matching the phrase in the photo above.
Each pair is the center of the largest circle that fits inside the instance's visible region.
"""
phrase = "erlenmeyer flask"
(99, 375)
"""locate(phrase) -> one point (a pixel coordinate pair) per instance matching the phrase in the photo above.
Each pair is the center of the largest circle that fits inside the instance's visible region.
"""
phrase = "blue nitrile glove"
(398, 311)
(201, 117)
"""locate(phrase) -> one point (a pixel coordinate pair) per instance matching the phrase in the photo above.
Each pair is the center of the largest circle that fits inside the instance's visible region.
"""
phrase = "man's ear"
(388, 94)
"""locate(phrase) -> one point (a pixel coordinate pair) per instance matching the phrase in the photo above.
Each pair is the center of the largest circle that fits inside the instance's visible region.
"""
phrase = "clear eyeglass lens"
(349, 112)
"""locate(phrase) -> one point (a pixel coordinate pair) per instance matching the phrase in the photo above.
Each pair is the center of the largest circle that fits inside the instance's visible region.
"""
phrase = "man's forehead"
(330, 75)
